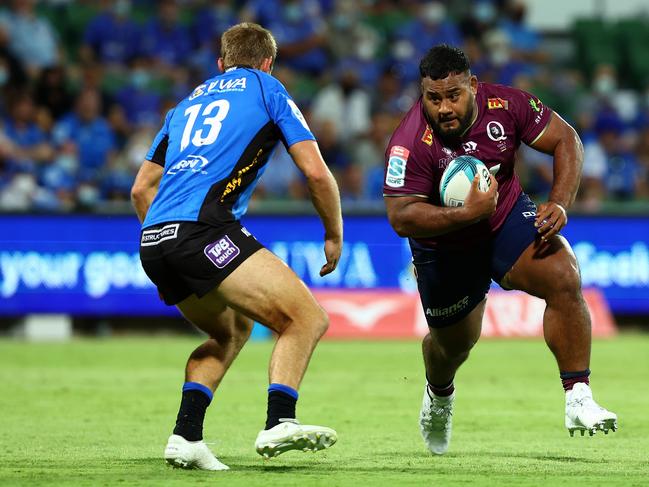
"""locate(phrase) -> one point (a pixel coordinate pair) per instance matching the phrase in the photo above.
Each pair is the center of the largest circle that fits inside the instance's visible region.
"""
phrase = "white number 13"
(214, 122)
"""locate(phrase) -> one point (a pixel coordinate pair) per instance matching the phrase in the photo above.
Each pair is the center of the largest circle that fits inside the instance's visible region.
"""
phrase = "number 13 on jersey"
(214, 122)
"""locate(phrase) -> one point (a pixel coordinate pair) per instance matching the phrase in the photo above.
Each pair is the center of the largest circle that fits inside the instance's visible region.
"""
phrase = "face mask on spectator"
(292, 12)
(122, 8)
(484, 12)
(140, 78)
(605, 84)
(434, 13)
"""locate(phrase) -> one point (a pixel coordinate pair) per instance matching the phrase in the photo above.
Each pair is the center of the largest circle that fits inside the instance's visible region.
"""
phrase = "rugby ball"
(457, 178)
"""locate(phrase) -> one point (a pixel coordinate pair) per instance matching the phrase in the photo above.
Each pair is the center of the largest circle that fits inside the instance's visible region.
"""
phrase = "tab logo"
(221, 252)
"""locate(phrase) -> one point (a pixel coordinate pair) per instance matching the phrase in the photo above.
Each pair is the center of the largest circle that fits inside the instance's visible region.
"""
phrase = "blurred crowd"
(84, 86)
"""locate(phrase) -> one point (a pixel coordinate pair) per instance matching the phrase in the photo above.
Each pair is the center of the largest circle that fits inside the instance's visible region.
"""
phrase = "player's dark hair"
(443, 60)
(247, 44)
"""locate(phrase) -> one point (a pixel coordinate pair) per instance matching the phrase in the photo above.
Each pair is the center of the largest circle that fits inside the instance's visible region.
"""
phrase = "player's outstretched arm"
(414, 216)
(561, 141)
(145, 187)
(325, 198)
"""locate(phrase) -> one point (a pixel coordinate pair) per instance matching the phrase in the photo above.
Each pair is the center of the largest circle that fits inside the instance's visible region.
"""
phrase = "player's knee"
(566, 287)
(322, 321)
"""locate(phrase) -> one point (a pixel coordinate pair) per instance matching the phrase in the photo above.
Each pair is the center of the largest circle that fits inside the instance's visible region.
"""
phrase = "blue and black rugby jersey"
(214, 146)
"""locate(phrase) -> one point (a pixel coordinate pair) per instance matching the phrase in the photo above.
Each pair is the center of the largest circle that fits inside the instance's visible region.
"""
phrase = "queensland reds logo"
(496, 131)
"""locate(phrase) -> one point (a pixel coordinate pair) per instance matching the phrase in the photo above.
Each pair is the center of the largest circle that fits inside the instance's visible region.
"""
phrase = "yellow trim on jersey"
(541, 132)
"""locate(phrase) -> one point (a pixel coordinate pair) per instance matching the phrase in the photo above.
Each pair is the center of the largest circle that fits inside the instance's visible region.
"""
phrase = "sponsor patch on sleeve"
(427, 138)
(396, 173)
(497, 103)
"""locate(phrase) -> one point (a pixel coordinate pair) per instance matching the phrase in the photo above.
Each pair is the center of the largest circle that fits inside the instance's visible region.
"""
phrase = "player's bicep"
(308, 159)
(557, 130)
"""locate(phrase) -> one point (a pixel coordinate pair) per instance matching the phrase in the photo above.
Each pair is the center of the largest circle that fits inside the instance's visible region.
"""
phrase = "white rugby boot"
(584, 414)
(435, 421)
(289, 434)
(181, 453)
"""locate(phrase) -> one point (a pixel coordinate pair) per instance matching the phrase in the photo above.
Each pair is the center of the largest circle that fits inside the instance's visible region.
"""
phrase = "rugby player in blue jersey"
(190, 193)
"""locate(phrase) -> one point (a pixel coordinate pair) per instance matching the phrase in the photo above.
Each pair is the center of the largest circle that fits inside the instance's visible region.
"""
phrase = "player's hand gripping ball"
(457, 178)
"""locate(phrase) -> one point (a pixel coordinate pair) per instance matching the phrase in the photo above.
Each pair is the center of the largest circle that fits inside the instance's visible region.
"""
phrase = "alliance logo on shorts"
(449, 310)
(221, 252)
(396, 173)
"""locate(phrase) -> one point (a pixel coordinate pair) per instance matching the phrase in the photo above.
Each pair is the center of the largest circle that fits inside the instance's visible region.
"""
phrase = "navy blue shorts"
(453, 282)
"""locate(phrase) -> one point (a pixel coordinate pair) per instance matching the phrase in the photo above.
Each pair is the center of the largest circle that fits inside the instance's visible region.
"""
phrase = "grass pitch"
(99, 413)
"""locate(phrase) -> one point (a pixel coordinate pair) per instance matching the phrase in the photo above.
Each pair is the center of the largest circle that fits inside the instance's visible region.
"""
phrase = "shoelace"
(438, 416)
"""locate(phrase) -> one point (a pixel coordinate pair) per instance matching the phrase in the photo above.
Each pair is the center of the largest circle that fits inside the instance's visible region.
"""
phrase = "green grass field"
(99, 413)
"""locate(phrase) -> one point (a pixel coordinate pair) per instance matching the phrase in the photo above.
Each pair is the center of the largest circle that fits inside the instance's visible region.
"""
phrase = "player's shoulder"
(412, 131)
(503, 97)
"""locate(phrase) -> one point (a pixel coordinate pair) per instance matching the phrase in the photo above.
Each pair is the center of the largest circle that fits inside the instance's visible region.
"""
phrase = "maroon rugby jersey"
(415, 158)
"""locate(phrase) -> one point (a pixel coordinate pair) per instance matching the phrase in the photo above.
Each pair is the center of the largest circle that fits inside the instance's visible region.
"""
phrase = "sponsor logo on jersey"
(470, 146)
(427, 138)
(219, 86)
(155, 236)
(449, 310)
(235, 182)
(497, 103)
(396, 173)
(198, 91)
(193, 163)
(225, 85)
(529, 214)
(496, 131)
(536, 105)
(221, 252)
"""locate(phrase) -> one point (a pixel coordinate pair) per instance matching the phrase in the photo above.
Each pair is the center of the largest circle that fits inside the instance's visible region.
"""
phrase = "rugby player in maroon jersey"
(499, 234)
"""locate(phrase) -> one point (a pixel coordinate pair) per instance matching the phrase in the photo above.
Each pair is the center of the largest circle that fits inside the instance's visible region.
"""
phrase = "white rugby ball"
(457, 178)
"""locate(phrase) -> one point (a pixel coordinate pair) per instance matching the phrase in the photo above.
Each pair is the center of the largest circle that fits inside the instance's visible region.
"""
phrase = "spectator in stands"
(610, 168)
(141, 104)
(430, 26)
(165, 39)
(478, 19)
(52, 91)
(345, 104)
(12, 75)
(30, 147)
(31, 37)
(298, 28)
(111, 37)
(87, 134)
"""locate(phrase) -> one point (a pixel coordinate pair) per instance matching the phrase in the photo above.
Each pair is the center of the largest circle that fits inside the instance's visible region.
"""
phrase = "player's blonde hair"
(247, 44)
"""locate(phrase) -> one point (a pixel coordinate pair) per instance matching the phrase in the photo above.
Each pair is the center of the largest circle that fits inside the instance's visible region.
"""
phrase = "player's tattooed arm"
(561, 141)
(325, 198)
(145, 187)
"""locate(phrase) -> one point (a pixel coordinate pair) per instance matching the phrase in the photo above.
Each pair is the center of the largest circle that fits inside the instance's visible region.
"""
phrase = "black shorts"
(185, 258)
(452, 282)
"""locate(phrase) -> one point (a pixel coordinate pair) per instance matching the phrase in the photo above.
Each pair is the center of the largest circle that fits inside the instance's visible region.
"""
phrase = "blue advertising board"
(89, 264)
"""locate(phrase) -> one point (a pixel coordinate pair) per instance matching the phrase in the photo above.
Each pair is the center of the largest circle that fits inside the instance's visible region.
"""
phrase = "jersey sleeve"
(406, 172)
(158, 151)
(531, 116)
(287, 116)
